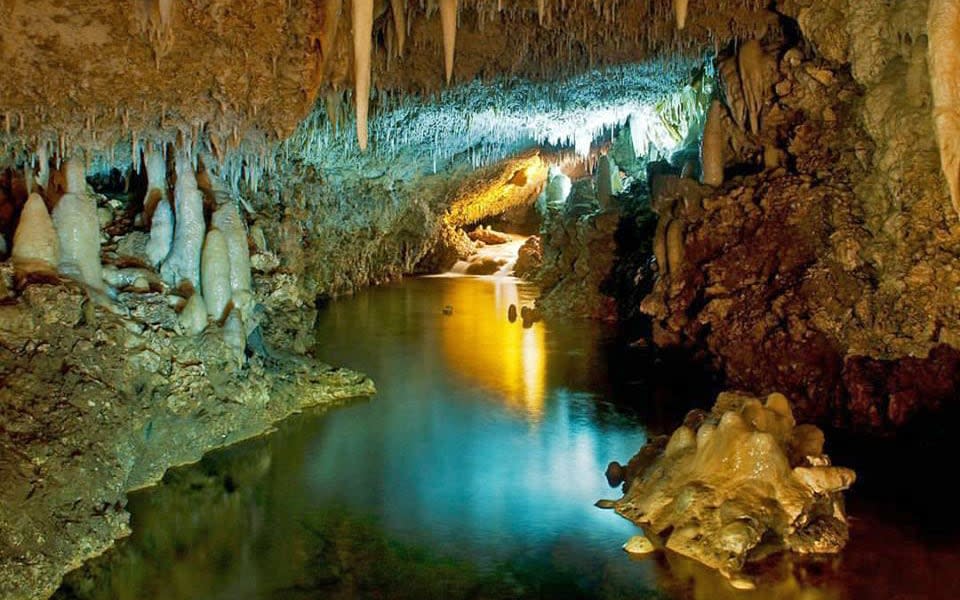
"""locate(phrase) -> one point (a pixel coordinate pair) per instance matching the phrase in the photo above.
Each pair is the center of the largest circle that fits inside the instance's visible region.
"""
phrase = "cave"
(479, 299)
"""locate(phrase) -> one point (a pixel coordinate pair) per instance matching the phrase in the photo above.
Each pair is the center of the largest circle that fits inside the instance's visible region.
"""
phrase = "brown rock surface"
(529, 259)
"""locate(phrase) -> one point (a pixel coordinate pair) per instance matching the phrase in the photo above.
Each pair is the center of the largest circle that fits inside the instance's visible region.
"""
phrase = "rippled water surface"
(472, 474)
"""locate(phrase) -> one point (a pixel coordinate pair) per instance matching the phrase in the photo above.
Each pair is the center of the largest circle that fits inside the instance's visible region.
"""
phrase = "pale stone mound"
(738, 484)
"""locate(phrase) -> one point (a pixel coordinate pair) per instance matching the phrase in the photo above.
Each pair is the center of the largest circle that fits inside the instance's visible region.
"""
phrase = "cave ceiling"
(243, 74)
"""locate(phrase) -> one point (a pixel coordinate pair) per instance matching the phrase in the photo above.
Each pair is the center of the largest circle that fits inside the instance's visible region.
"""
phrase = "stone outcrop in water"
(737, 484)
(488, 236)
(529, 258)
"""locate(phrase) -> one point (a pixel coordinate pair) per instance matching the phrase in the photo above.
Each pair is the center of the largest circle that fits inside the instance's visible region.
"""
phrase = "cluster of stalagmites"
(206, 267)
(735, 485)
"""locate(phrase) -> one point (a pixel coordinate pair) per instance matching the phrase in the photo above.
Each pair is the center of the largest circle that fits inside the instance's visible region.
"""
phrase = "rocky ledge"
(98, 398)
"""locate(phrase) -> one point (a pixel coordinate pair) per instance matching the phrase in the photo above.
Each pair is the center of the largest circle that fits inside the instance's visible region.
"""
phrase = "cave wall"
(833, 277)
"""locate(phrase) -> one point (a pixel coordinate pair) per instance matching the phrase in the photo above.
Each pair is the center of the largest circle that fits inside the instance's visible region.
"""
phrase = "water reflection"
(471, 475)
(481, 345)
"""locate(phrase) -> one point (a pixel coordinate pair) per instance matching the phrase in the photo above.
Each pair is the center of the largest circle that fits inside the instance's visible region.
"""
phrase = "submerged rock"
(730, 486)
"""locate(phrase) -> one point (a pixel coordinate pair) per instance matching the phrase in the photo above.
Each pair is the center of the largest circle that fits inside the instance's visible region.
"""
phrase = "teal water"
(472, 474)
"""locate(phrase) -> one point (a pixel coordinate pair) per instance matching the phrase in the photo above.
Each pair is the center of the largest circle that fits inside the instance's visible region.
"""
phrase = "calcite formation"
(738, 484)
(215, 274)
(712, 146)
(36, 247)
(943, 24)
(362, 44)
(182, 264)
(78, 230)
(448, 22)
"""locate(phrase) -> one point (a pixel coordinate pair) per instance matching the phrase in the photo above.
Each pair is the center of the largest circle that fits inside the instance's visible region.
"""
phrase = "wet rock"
(488, 236)
(639, 544)
(512, 313)
(578, 257)
(529, 258)
(485, 266)
(452, 245)
(728, 492)
(615, 474)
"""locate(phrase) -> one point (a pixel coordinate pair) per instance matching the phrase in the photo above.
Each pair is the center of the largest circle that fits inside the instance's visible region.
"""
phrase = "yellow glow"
(494, 191)
(490, 351)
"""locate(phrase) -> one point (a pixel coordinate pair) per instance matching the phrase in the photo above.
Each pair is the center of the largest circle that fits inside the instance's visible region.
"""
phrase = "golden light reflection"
(492, 191)
(481, 345)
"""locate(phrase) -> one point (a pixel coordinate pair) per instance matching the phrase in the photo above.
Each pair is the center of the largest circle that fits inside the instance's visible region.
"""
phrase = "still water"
(472, 474)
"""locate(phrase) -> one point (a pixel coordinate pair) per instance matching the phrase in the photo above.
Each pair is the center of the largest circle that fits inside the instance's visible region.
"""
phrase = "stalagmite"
(76, 177)
(943, 29)
(227, 219)
(752, 65)
(606, 186)
(156, 181)
(399, 23)
(362, 48)
(215, 273)
(235, 335)
(711, 148)
(448, 23)
(193, 317)
(680, 12)
(36, 247)
(183, 262)
(556, 191)
(674, 249)
(161, 233)
(78, 231)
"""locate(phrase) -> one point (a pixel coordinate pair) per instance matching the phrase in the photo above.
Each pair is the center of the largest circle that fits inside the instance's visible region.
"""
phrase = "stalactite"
(43, 167)
(680, 13)
(448, 23)
(362, 48)
(399, 22)
(943, 27)
(331, 21)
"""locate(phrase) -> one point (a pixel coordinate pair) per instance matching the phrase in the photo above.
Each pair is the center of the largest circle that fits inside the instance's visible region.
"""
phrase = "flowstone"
(738, 484)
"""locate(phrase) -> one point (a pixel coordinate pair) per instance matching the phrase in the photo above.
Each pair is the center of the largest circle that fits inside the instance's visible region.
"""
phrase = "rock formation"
(36, 247)
(738, 484)
(77, 225)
